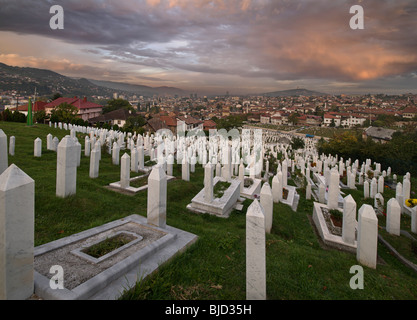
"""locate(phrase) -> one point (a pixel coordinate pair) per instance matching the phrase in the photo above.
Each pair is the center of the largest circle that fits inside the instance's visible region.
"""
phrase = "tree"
(7, 115)
(18, 117)
(40, 116)
(64, 113)
(293, 118)
(133, 123)
(297, 143)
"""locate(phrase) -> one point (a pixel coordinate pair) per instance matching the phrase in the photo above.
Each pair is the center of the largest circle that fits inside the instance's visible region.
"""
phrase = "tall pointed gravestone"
(66, 173)
(157, 197)
(255, 252)
(17, 218)
(3, 152)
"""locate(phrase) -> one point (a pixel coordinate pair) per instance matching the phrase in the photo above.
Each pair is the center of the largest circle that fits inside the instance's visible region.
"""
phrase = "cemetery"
(234, 222)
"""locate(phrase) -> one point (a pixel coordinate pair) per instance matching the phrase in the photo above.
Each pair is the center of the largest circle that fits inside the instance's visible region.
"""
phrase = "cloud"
(241, 40)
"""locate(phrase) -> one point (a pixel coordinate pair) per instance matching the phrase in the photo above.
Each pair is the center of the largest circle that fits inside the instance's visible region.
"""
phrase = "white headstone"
(125, 171)
(185, 172)
(414, 219)
(381, 184)
(12, 143)
(374, 188)
(3, 152)
(280, 186)
(393, 217)
(366, 189)
(349, 219)
(94, 164)
(170, 164)
(241, 175)
(134, 159)
(87, 147)
(208, 182)
(267, 203)
(366, 252)
(116, 154)
(157, 196)
(37, 147)
(334, 190)
(55, 143)
(275, 192)
(322, 193)
(255, 253)
(284, 173)
(406, 189)
(141, 157)
(66, 173)
(17, 224)
(308, 190)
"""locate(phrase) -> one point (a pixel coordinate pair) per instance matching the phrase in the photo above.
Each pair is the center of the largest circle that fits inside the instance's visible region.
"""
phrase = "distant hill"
(139, 89)
(293, 93)
(46, 82)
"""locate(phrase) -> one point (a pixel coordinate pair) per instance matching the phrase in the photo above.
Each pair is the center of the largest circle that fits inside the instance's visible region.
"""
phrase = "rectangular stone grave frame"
(327, 237)
(221, 207)
(254, 189)
(109, 284)
(131, 189)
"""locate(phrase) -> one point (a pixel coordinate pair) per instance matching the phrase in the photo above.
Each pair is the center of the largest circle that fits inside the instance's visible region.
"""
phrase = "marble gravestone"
(255, 252)
(17, 214)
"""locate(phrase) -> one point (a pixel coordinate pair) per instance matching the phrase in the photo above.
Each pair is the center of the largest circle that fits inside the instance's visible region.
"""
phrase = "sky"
(219, 46)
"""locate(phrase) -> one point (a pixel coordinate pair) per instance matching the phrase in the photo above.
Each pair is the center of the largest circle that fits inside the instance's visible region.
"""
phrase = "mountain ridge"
(293, 92)
(28, 80)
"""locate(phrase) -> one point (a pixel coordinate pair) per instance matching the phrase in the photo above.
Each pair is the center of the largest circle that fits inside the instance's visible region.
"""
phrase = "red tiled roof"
(209, 124)
(410, 109)
(169, 121)
(37, 106)
(76, 102)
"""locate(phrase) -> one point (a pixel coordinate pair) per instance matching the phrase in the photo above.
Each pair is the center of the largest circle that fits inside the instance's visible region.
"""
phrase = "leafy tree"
(400, 153)
(18, 117)
(297, 143)
(40, 116)
(293, 118)
(230, 122)
(64, 113)
(7, 115)
(133, 123)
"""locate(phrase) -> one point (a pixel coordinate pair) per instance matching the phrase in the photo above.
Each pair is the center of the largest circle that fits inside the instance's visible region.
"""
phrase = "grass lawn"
(298, 266)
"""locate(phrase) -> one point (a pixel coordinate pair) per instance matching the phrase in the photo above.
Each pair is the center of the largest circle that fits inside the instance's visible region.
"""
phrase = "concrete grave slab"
(106, 279)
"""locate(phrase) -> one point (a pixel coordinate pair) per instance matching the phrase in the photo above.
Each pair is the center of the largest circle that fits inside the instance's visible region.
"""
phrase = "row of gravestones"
(17, 217)
(17, 192)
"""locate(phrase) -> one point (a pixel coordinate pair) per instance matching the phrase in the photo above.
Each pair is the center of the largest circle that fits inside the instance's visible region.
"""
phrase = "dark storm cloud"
(279, 40)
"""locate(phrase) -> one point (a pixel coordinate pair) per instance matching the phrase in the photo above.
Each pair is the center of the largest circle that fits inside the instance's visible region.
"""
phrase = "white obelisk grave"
(66, 172)
(157, 197)
(366, 252)
(3, 151)
(17, 221)
(255, 252)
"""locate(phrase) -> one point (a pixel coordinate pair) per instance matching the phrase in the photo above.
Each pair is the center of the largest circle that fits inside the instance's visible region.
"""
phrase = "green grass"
(297, 265)
(110, 244)
(220, 187)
